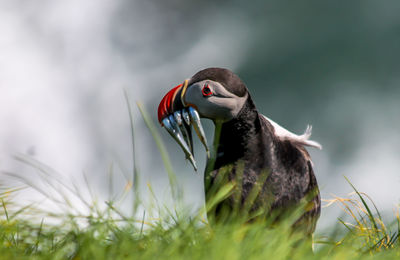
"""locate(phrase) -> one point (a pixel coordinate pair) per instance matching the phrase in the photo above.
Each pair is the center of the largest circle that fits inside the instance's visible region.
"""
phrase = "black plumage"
(249, 147)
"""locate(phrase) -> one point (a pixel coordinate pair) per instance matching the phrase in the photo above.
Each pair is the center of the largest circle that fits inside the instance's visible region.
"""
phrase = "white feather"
(285, 134)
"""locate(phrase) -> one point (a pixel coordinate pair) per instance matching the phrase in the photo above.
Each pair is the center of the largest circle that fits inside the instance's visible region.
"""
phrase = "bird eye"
(206, 91)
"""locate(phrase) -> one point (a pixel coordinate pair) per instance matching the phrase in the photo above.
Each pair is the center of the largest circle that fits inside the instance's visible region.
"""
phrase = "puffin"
(264, 169)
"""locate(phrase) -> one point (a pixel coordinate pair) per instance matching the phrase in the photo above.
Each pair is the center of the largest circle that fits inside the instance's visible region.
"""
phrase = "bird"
(249, 149)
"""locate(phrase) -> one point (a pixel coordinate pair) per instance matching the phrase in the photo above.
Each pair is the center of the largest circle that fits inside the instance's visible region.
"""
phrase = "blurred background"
(64, 66)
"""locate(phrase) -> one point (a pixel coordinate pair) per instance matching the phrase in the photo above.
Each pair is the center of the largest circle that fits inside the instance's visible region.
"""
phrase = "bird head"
(214, 93)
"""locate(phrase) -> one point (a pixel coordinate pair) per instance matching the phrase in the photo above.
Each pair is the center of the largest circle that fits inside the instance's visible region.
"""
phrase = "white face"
(213, 101)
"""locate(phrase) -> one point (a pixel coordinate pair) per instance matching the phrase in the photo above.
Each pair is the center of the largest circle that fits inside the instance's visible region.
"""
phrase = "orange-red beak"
(166, 106)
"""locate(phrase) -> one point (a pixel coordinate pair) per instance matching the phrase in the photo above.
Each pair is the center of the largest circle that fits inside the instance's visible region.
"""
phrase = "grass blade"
(370, 216)
(163, 151)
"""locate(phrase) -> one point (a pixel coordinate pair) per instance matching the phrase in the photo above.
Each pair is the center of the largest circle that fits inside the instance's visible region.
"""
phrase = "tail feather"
(303, 139)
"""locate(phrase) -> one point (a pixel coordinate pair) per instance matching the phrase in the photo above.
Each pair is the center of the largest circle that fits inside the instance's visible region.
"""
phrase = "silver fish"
(171, 126)
(185, 129)
(198, 127)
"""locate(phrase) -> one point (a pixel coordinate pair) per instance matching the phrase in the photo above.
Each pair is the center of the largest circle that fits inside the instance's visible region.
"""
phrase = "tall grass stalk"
(176, 192)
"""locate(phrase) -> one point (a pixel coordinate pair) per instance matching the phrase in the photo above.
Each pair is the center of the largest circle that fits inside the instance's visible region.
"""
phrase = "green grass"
(103, 231)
